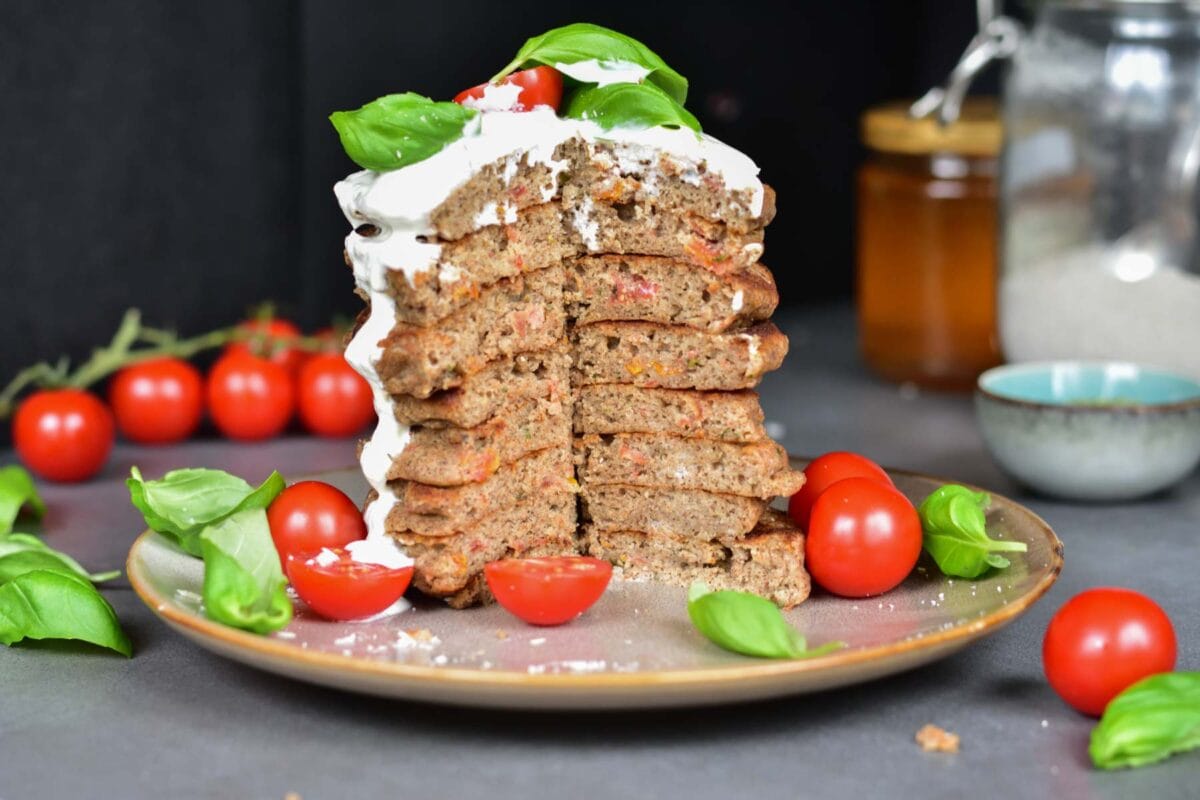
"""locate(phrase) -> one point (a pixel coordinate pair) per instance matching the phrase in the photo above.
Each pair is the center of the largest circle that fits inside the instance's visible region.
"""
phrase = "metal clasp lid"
(998, 38)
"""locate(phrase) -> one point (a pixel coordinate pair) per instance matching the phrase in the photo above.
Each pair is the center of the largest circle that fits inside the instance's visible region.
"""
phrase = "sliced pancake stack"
(669, 335)
(573, 373)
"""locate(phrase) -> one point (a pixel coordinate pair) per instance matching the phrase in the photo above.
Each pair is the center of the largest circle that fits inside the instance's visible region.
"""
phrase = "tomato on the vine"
(863, 539)
(157, 401)
(337, 587)
(266, 338)
(824, 471)
(333, 399)
(310, 515)
(63, 434)
(540, 86)
(1101, 642)
(548, 591)
(249, 397)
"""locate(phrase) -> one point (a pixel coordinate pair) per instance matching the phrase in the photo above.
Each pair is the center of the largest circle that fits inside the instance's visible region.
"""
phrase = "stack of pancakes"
(577, 376)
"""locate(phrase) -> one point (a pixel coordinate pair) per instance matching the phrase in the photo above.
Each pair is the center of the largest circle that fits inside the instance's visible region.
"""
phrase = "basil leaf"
(16, 492)
(244, 585)
(15, 544)
(16, 564)
(45, 604)
(1151, 720)
(584, 41)
(955, 533)
(748, 624)
(185, 501)
(629, 105)
(399, 129)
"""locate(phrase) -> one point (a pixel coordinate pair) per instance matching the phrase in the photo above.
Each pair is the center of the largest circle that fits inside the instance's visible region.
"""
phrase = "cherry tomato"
(540, 86)
(1102, 641)
(158, 401)
(345, 589)
(310, 515)
(334, 400)
(863, 538)
(548, 591)
(825, 471)
(63, 434)
(266, 335)
(249, 397)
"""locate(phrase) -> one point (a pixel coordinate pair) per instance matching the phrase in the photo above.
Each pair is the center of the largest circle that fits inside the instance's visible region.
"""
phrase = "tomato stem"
(122, 351)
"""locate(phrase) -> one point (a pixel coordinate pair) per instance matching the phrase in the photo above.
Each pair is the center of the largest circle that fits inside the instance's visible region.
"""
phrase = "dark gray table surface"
(178, 722)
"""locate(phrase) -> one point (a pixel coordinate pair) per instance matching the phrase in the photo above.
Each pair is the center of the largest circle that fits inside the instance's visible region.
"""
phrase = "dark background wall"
(176, 156)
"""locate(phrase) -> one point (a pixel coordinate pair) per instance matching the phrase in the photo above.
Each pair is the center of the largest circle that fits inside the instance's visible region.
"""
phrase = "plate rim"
(276, 650)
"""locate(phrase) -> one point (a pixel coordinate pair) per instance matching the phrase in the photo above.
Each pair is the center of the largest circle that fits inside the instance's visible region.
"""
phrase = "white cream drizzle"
(603, 73)
(400, 203)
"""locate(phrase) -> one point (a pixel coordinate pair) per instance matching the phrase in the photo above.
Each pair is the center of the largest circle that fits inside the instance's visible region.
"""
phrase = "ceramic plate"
(634, 649)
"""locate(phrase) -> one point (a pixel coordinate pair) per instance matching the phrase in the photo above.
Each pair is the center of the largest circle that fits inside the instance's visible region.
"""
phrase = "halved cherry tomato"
(540, 86)
(823, 472)
(267, 339)
(63, 434)
(333, 399)
(548, 591)
(345, 588)
(1101, 642)
(309, 515)
(863, 538)
(249, 397)
(157, 401)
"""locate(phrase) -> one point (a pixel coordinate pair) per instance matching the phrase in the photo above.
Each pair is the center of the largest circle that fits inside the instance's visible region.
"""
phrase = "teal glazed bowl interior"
(1096, 431)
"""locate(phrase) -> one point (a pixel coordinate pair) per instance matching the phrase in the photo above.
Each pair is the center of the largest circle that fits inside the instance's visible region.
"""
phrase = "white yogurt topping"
(382, 551)
(399, 207)
(496, 97)
(602, 73)
(739, 299)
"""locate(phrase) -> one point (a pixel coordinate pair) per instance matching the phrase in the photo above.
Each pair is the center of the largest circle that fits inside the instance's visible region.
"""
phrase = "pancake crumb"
(936, 740)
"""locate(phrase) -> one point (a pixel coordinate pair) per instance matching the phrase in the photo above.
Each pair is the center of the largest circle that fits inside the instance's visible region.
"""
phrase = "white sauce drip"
(496, 97)
(603, 73)
(400, 205)
(739, 299)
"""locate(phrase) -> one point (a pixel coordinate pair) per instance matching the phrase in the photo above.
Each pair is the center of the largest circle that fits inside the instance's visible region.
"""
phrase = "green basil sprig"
(45, 594)
(584, 41)
(748, 624)
(244, 585)
(399, 129)
(1154, 718)
(955, 533)
(47, 604)
(185, 501)
(17, 492)
(23, 552)
(221, 518)
(629, 105)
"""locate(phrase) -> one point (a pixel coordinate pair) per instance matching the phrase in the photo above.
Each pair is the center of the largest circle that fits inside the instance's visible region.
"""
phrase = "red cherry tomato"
(540, 86)
(158, 401)
(1102, 641)
(249, 397)
(345, 589)
(334, 400)
(310, 515)
(548, 591)
(863, 538)
(63, 434)
(266, 335)
(825, 471)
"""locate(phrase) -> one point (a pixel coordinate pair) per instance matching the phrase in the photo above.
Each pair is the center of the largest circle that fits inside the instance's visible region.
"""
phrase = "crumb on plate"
(421, 634)
(501, 633)
(936, 740)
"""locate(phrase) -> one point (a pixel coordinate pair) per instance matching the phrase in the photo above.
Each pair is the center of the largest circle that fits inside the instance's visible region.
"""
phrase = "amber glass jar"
(927, 245)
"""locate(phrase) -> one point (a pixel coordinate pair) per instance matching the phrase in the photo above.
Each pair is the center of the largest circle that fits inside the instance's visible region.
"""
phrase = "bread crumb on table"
(935, 740)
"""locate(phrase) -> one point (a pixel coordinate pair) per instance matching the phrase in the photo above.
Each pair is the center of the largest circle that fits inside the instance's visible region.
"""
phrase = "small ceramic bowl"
(1102, 431)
